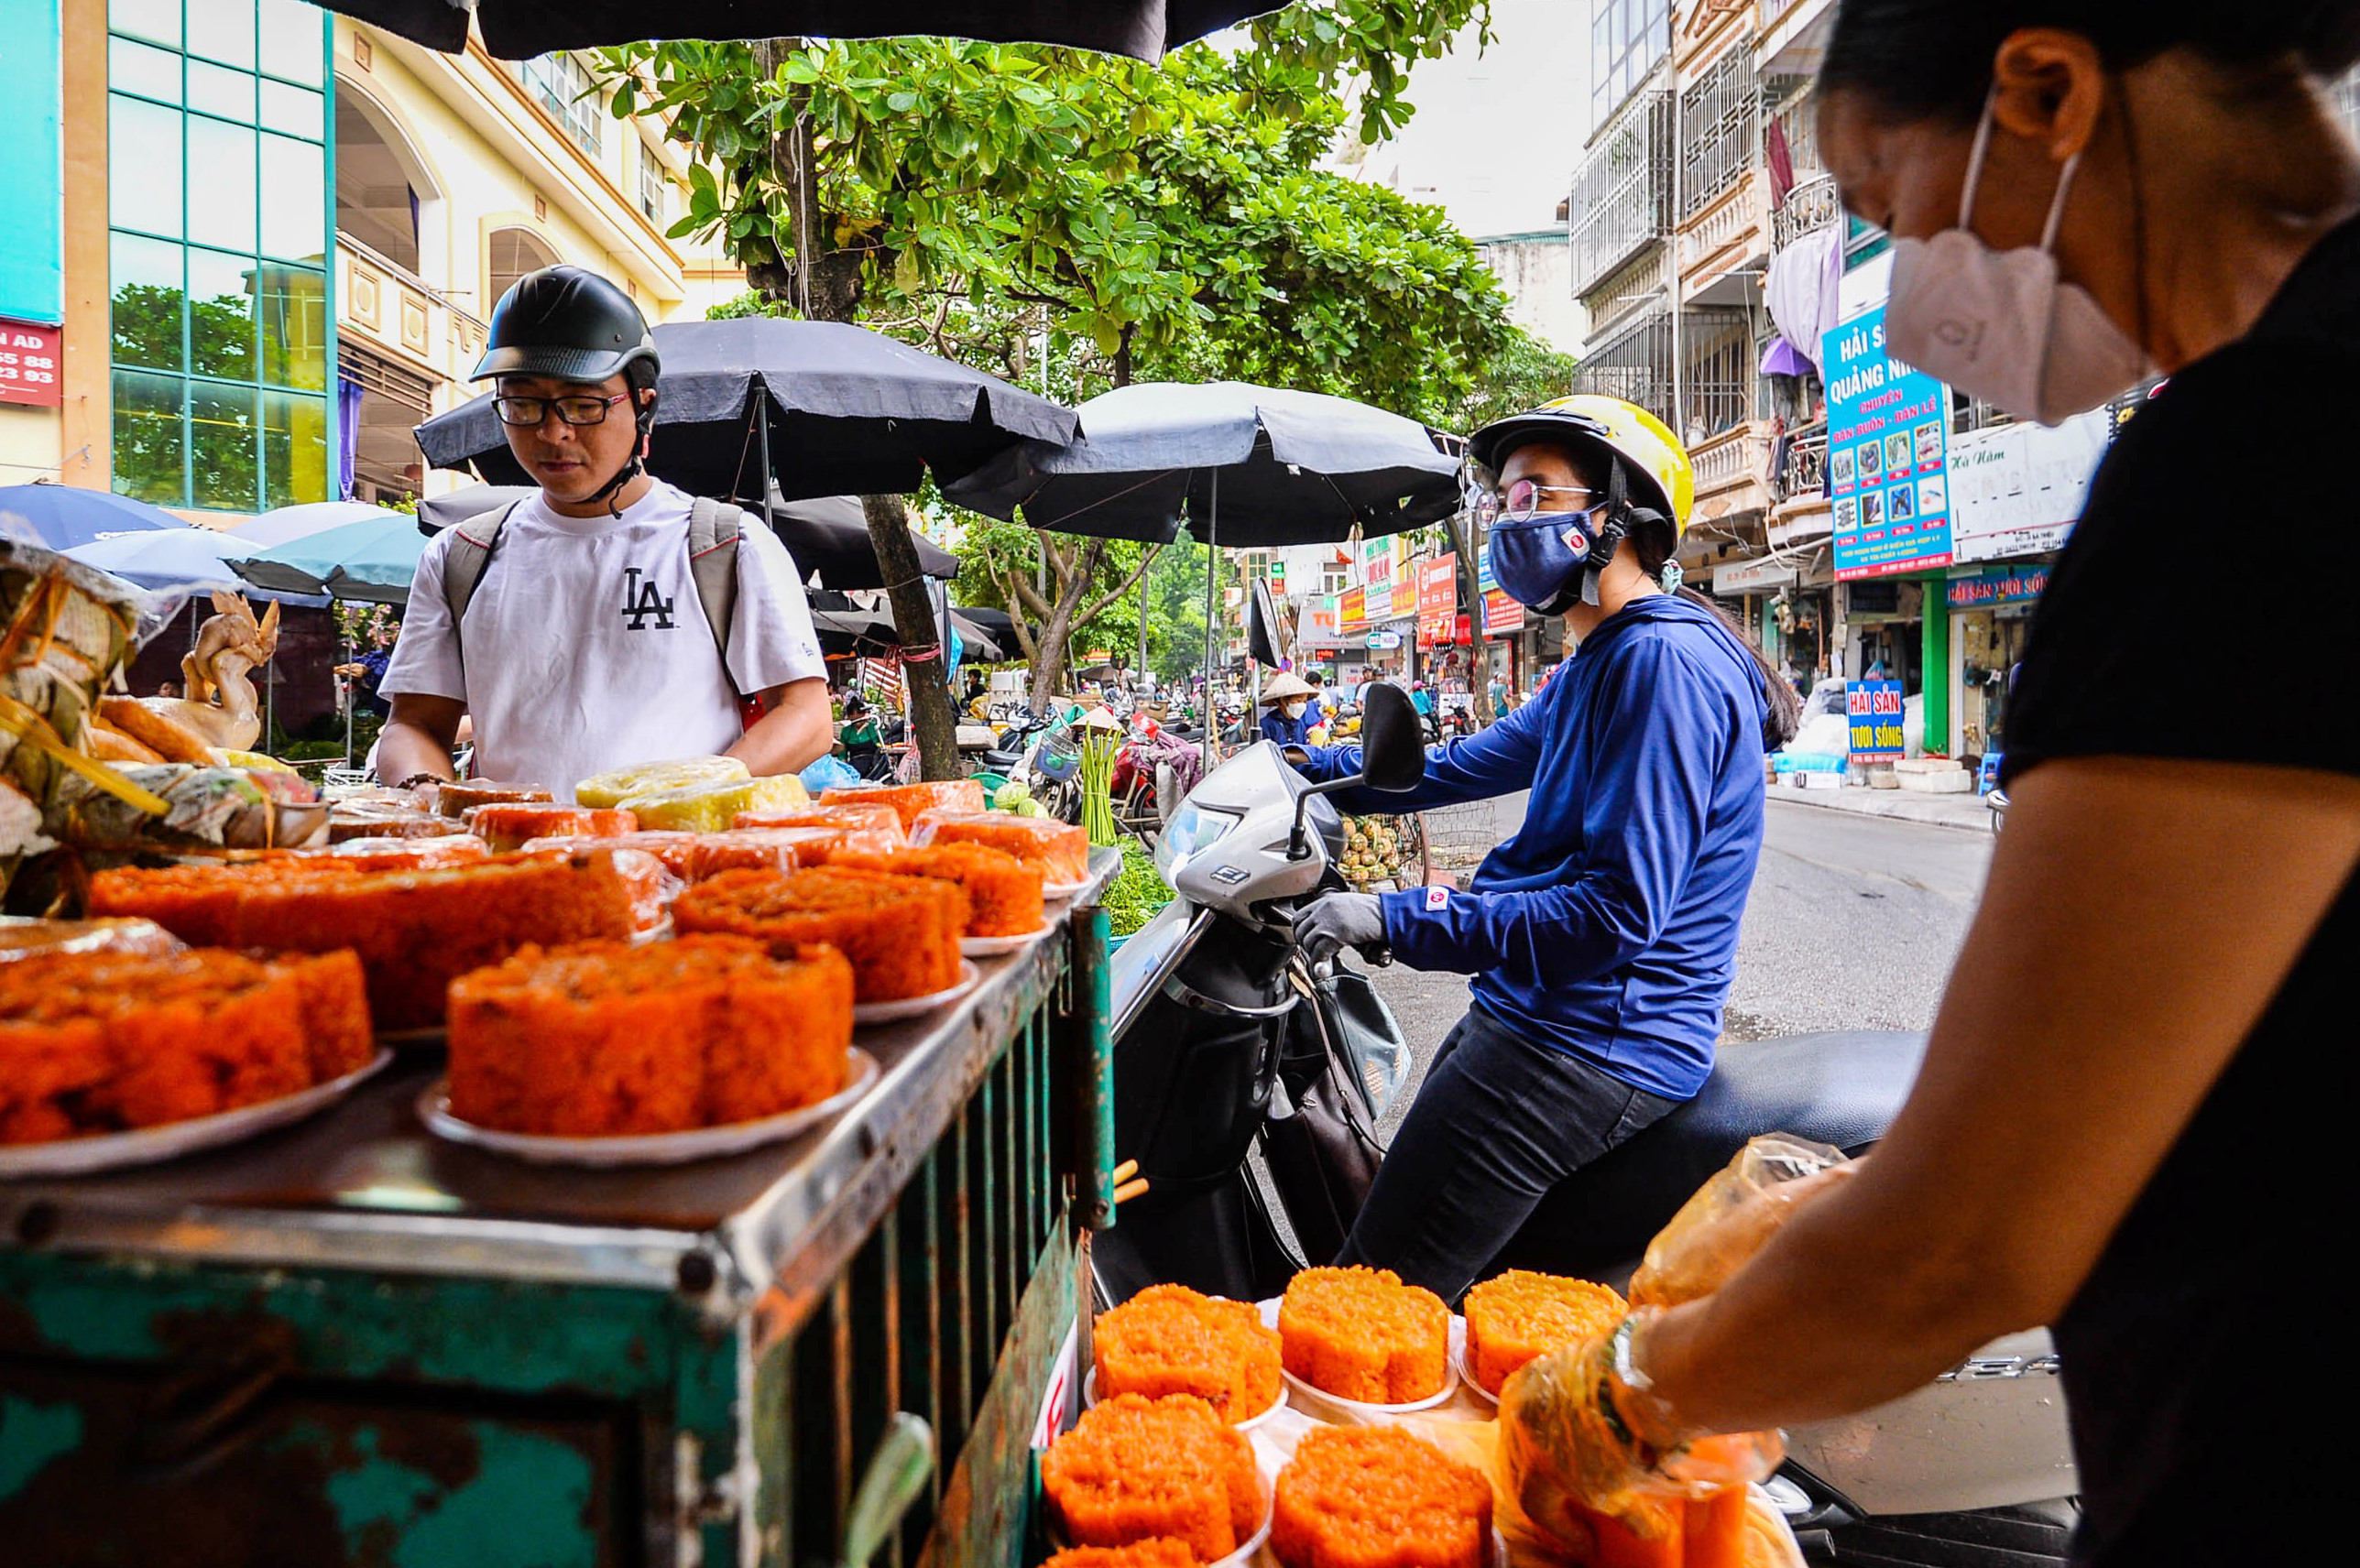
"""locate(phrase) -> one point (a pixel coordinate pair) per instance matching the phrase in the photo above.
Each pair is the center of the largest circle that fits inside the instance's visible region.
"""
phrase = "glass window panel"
(221, 314)
(223, 31)
(294, 199)
(294, 307)
(224, 446)
(294, 449)
(294, 41)
(219, 90)
(223, 155)
(147, 303)
(135, 68)
(294, 110)
(143, 165)
(148, 444)
(157, 19)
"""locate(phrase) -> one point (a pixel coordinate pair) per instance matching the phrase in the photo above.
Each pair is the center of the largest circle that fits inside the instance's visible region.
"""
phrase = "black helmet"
(569, 323)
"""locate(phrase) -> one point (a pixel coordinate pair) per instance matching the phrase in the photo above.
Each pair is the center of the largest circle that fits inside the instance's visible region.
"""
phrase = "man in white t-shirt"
(584, 641)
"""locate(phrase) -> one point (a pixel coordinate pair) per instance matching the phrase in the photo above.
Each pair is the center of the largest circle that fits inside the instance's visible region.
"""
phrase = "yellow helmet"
(1654, 462)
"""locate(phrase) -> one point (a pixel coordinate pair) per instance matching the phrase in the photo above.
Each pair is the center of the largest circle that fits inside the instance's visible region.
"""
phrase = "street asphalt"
(1853, 924)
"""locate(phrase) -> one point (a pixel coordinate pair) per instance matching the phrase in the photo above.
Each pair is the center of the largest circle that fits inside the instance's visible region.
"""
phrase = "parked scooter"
(1230, 1042)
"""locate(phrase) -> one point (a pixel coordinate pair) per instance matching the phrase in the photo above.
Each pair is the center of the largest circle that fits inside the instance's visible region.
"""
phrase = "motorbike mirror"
(1393, 746)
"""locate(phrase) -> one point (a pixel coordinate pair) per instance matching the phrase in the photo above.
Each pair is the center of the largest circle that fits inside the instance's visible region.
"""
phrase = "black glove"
(1340, 920)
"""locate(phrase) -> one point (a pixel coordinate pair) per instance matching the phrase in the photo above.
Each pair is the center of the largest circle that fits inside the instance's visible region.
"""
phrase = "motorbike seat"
(1841, 1088)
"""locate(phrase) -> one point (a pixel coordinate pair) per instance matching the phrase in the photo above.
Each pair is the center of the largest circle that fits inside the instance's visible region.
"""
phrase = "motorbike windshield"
(1192, 830)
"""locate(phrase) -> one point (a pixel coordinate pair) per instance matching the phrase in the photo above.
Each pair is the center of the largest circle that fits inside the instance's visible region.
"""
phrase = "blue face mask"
(1539, 560)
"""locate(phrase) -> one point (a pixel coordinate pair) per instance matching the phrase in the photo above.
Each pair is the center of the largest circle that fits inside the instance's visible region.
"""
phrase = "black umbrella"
(827, 534)
(989, 634)
(518, 29)
(826, 409)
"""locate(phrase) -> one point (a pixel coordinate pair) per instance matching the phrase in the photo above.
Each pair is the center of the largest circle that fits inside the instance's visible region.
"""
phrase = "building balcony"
(1790, 36)
(1810, 205)
(1732, 470)
(1723, 246)
(389, 310)
(1804, 471)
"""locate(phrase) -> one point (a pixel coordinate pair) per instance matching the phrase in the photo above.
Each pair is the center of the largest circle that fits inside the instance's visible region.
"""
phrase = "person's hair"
(1922, 60)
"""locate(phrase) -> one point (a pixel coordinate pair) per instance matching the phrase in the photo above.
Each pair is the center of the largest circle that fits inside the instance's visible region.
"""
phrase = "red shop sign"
(31, 357)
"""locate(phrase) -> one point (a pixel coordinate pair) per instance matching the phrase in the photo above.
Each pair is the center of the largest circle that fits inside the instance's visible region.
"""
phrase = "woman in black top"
(2126, 1126)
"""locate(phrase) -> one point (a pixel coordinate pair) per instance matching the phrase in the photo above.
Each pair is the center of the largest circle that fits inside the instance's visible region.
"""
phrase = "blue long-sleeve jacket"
(1607, 926)
(1277, 726)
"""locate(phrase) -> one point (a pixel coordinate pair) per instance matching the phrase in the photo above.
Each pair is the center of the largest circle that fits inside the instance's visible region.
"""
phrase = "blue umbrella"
(63, 515)
(287, 524)
(372, 561)
(177, 558)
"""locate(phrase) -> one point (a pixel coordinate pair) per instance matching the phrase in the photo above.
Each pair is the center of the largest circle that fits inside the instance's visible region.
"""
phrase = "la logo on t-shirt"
(641, 600)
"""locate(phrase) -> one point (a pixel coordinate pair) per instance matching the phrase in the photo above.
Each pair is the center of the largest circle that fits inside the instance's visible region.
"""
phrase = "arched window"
(379, 186)
(515, 252)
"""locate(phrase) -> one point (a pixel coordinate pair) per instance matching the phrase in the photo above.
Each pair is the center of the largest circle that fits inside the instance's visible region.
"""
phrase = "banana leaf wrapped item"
(204, 807)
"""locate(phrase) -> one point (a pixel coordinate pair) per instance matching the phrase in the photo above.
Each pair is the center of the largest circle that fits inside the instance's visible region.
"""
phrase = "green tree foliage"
(995, 203)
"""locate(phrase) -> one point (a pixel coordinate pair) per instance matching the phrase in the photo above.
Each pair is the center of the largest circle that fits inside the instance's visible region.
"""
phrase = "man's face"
(571, 462)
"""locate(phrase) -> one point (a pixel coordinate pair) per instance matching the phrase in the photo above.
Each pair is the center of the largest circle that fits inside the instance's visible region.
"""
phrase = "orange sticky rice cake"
(1156, 1551)
(509, 826)
(412, 853)
(1135, 1469)
(1521, 1315)
(901, 934)
(911, 800)
(846, 814)
(96, 1042)
(1003, 893)
(832, 842)
(1361, 1333)
(1374, 1496)
(606, 1038)
(1062, 850)
(1170, 1340)
(457, 797)
(415, 931)
(694, 856)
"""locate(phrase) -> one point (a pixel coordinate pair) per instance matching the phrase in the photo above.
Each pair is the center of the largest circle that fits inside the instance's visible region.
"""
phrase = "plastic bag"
(1730, 1217)
(829, 773)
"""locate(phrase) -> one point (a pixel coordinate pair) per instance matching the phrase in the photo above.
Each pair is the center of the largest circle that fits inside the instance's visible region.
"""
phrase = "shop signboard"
(1384, 639)
(1317, 624)
(1377, 577)
(29, 359)
(1437, 598)
(1351, 611)
(32, 177)
(1501, 615)
(1888, 432)
(2017, 489)
(1999, 586)
(1765, 575)
(1873, 709)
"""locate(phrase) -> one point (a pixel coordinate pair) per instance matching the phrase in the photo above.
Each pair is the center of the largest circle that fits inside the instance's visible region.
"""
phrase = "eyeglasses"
(1521, 501)
(525, 412)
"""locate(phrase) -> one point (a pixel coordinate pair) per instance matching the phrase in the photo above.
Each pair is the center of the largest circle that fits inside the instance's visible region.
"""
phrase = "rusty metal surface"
(363, 1186)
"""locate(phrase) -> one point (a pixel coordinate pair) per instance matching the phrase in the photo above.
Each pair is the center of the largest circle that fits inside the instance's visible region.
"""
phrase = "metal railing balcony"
(1804, 470)
(1810, 205)
(1622, 197)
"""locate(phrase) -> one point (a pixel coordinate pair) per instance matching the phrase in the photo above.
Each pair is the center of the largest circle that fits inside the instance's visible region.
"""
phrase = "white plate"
(1057, 892)
(1467, 1373)
(144, 1146)
(1090, 1399)
(911, 1007)
(995, 946)
(1314, 1397)
(642, 1148)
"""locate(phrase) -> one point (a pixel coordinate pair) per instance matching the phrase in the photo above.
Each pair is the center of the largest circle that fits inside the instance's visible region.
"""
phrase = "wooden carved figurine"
(220, 705)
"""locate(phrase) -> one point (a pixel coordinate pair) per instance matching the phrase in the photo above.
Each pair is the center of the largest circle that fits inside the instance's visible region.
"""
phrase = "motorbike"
(1250, 1082)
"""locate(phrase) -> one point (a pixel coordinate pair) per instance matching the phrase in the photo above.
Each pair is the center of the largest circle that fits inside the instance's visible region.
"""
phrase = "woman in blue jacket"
(1602, 936)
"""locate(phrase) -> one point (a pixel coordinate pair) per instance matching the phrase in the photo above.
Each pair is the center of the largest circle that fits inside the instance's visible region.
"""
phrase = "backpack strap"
(713, 527)
(465, 563)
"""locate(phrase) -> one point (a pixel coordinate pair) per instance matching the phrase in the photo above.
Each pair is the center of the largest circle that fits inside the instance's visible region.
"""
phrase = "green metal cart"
(349, 1342)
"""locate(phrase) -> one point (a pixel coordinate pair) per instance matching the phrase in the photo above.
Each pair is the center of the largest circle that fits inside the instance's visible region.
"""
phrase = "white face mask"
(1293, 707)
(2001, 325)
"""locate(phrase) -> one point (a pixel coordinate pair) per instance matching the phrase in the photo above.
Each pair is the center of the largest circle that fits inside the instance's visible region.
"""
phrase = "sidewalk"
(1967, 812)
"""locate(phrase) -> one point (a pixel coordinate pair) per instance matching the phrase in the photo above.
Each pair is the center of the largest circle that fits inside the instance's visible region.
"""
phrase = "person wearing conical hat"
(1286, 711)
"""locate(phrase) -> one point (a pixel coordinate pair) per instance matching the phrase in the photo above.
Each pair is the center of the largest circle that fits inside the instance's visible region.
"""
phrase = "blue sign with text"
(1875, 710)
(1889, 454)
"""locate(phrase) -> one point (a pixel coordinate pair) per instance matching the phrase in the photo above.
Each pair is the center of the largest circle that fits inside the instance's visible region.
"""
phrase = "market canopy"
(519, 29)
(63, 515)
(825, 534)
(284, 525)
(371, 562)
(838, 410)
(1252, 467)
(180, 557)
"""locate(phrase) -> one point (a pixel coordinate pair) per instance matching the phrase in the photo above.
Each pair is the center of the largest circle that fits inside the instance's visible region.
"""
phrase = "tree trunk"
(1051, 652)
(925, 684)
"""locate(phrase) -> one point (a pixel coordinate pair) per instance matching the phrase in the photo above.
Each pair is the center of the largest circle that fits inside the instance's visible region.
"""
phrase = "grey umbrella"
(518, 29)
(1255, 467)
